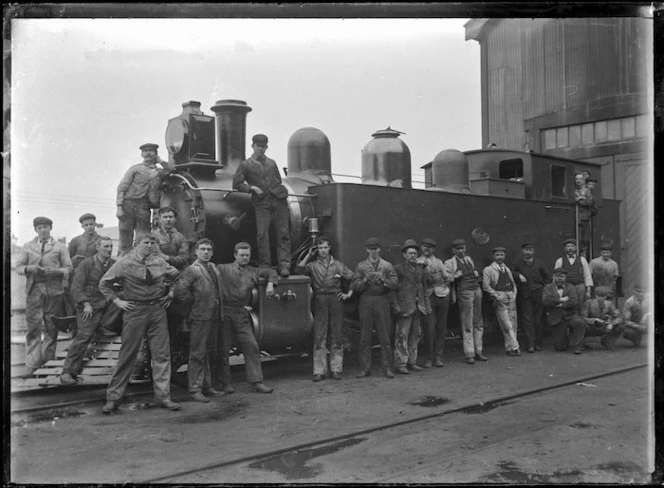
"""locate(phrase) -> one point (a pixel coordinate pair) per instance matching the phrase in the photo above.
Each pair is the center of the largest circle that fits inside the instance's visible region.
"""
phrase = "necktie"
(502, 269)
(43, 246)
(261, 158)
(148, 275)
(213, 276)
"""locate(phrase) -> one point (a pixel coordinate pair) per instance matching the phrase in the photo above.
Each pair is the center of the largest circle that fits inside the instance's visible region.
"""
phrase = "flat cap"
(323, 238)
(428, 241)
(458, 242)
(410, 243)
(42, 221)
(149, 145)
(569, 241)
(372, 243)
(167, 209)
(560, 271)
(607, 247)
(498, 249)
(259, 139)
(527, 244)
(601, 291)
(86, 216)
(591, 180)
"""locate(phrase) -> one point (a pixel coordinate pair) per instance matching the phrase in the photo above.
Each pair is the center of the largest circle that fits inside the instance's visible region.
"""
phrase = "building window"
(558, 181)
(561, 137)
(613, 130)
(628, 127)
(574, 136)
(511, 169)
(587, 134)
(601, 132)
(642, 126)
(549, 139)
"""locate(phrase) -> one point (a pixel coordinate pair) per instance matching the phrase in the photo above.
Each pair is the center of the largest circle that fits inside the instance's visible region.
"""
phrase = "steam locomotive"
(489, 197)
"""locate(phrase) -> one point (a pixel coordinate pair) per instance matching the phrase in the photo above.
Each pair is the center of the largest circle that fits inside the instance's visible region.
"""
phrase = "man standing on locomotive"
(138, 192)
(561, 302)
(239, 279)
(90, 306)
(469, 295)
(47, 265)
(578, 271)
(438, 294)
(260, 177)
(201, 286)
(410, 301)
(326, 274)
(374, 278)
(143, 277)
(531, 274)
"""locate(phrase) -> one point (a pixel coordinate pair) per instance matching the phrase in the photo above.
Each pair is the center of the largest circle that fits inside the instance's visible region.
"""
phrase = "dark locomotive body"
(488, 197)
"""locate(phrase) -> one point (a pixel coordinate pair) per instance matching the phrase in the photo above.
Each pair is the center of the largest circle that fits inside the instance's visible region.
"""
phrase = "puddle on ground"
(292, 464)
(224, 413)
(510, 473)
(430, 401)
(47, 416)
(582, 425)
(485, 407)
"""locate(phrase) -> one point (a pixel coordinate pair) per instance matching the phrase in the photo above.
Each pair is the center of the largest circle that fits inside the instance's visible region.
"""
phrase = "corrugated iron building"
(577, 88)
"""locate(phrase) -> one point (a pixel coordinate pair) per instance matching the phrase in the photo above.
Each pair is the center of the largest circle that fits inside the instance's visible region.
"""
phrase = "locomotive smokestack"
(231, 117)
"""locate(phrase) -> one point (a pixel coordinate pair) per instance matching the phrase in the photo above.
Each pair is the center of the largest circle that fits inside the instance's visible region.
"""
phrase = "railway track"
(348, 439)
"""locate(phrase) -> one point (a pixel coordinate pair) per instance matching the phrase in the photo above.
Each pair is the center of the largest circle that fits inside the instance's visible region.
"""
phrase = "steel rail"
(350, 435)
(231, 190)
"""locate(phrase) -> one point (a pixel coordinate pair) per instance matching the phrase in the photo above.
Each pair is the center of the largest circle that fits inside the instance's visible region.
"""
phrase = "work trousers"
(581, 294)
(150, 320)
(328, 319)
(560, 335)
(529, 313)
(506, 316)
(472, 323)
(435, 329)
(635, 334)
(273, 209)
(84, 335)
(203, 338)
(237, 324)
(39, 308)
(375, 314)
(600, 331)
(406, 339)
(136, 217)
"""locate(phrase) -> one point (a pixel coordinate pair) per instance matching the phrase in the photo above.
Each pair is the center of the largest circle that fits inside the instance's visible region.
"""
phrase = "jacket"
(550, 300)
(55, 257)
(490, 276)
(265, 176)
(85, 285)
(195, 286)
(410, 294)
(451, 264)
(380, 283)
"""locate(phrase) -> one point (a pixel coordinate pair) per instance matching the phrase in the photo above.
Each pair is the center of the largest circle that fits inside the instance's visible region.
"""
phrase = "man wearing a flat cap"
(373, 279)
(578, 271)
(468, 293)
(138, 192)
(437, 291)
(46, 264)
(604, 270)
(637, 311)
(530, 274)
(410, 302)
(85, 245)
(499, 284)
(561, 305)
(259, 176)
(602, 318)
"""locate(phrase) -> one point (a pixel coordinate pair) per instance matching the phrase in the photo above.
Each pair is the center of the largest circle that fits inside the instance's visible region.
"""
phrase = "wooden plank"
(82, 380)
(84, 371)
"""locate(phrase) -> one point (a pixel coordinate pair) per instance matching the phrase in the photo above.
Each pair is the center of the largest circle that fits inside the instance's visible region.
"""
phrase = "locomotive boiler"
(488, 197)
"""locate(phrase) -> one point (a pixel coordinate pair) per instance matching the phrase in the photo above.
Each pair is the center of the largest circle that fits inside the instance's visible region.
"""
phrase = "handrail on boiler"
(231, 190)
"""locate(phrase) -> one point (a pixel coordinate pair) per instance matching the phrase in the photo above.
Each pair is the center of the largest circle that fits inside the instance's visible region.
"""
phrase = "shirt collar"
(329, 260)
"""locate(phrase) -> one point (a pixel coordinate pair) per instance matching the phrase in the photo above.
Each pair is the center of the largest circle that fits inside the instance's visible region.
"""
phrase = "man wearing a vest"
(578, 271)
(498, 283)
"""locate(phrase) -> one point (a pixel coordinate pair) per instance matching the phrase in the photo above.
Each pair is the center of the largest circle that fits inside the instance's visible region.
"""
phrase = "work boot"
(401, 370)
(530, 349)
(169, 404)
(29, 373)
(481, 357)
(336, 375)
(516, 352)
(109, 407)
(577, 350)
(261, 388)
(414, 367)
(438, 363)
(427, 363)
(227, 388)
(606, 343)
(389, 373)
(197, 396)
(318, 377)
(67, 379)
(213, 393)
(538, 348)
(284, 272)
(363, 373)
(470, 360)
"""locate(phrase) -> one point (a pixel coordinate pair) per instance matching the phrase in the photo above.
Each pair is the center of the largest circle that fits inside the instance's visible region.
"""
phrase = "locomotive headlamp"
(190, 137)
(176, 132)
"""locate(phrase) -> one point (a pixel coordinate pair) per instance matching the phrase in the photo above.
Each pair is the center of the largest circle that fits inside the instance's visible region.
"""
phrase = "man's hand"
(564, 299)
(588, 294)
(120, 213)
(33, 269)
(53, 271)
(248, 308)
(87, 311)
(256, 190)
(522, 278)
(165, 301)
(344, 296)
(505, 299)
(458, 274)
(124, 304)
(269, 289)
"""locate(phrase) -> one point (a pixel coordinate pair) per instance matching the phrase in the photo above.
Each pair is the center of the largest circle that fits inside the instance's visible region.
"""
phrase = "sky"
(86, 93)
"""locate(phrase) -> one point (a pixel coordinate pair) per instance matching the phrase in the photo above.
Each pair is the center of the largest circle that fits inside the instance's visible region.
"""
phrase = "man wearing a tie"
(90, 306)
(47, 265)
(200, 285)
(561, 300)
(498, 283)
(469, 295)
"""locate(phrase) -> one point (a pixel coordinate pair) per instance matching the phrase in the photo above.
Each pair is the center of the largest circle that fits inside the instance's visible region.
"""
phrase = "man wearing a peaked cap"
(578, 271)
(259, 176)
(561, 303)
